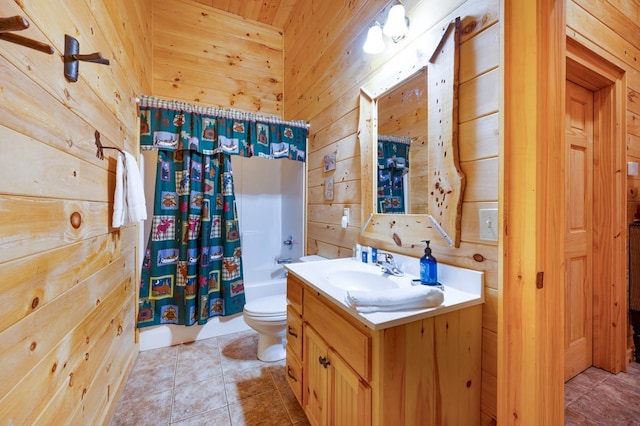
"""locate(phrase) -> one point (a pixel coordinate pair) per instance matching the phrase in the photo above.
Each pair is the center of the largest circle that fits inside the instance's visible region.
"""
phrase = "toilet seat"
(270, 308)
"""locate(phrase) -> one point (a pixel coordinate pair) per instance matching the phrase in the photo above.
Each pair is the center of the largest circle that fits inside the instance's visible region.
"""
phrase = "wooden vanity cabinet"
(424, 372)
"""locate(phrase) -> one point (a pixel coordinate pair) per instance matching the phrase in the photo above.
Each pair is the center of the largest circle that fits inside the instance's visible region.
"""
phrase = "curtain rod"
(149, 101)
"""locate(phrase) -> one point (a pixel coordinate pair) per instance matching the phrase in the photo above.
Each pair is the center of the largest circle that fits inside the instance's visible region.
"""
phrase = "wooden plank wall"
(272, 12)
(324, 70)
(207, 56)
(611, 30)
(67, 327)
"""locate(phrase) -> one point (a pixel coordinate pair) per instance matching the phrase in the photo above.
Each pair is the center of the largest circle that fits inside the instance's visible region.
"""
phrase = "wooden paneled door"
(334, 393)
(349, 395)
(578, 235)
(315, 378)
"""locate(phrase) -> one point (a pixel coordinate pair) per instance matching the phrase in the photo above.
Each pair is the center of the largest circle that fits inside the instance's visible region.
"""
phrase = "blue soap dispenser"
(428, 267)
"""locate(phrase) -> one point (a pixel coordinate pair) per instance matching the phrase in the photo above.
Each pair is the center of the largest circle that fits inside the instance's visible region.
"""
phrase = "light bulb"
(396, 25)
(374, 43)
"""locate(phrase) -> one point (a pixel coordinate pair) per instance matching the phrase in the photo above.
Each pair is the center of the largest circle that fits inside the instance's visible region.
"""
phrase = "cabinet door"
(349, 395)
(294, 375)
(294, 332)
(294, 352)
(315, 377)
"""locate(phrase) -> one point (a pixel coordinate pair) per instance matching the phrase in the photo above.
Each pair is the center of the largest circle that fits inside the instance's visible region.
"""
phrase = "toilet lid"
(267, 306)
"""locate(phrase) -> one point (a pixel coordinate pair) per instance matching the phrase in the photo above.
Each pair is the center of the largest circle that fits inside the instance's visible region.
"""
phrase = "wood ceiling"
(270, 12)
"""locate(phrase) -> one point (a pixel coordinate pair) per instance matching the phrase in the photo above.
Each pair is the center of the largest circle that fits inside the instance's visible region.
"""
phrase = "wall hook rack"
(72, 57)
(100, 153)
(19, 23)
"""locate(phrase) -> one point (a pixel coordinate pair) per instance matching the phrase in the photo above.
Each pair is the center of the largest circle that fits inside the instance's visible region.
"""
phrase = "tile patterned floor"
(220, 382)
(596, 397)
(217, 381)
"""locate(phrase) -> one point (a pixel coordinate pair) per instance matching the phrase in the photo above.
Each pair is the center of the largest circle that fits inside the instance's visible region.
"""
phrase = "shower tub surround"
(258, 201)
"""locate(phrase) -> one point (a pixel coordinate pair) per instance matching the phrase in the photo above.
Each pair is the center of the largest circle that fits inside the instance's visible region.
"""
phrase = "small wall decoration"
(330, 162)
(328, 189)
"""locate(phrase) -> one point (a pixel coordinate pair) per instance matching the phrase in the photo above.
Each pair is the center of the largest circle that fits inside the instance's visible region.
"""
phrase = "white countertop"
(463, 288)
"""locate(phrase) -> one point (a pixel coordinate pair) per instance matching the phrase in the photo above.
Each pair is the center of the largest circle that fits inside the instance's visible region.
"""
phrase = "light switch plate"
(488, 222)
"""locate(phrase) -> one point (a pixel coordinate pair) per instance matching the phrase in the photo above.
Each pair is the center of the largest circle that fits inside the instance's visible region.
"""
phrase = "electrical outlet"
(488, 221)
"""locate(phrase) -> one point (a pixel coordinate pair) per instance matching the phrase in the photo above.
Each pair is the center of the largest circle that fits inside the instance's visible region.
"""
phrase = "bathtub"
(168, 335)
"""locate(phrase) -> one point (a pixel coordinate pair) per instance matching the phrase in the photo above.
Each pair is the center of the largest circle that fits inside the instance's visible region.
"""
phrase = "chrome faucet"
(388, 264)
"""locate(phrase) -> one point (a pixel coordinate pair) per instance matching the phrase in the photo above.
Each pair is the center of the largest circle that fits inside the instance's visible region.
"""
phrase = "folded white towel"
(397, 299)
(129, 204)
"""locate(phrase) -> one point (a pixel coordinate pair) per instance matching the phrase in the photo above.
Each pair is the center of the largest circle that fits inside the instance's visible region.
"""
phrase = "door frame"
(608, 83)
(530, 307)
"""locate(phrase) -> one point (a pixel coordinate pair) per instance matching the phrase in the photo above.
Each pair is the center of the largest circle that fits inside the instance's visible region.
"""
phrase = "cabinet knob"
(290, 374)
(323, 361)
(292, 333)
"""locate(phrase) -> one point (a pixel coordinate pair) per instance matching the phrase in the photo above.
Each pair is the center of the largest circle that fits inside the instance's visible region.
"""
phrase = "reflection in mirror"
(402, 147)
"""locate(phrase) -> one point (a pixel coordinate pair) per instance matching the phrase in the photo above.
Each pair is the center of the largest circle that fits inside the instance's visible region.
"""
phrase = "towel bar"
(99, 153)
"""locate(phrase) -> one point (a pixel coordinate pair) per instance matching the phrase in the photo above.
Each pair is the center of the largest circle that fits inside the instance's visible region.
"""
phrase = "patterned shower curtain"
(192, 268)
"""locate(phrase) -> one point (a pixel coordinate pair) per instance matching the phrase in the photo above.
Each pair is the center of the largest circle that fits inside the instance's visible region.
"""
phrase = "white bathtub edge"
(162, 336)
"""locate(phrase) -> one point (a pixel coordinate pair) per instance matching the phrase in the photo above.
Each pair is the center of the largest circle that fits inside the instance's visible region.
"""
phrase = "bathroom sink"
(334, 278)
(363, 280)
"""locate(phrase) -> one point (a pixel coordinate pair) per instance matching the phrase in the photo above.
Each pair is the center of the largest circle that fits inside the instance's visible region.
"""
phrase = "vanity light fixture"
(397, 24)
(374, 43)
(395, 27)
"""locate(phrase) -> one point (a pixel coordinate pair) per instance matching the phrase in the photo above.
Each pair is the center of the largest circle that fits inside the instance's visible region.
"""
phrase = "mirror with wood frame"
(432, 184)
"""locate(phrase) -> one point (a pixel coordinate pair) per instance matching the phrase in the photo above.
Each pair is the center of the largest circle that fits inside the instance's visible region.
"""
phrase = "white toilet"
(268, 316)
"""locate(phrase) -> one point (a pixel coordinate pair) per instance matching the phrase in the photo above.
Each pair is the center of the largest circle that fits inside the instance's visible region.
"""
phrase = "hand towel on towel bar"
(397, 299)
(129, 204)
